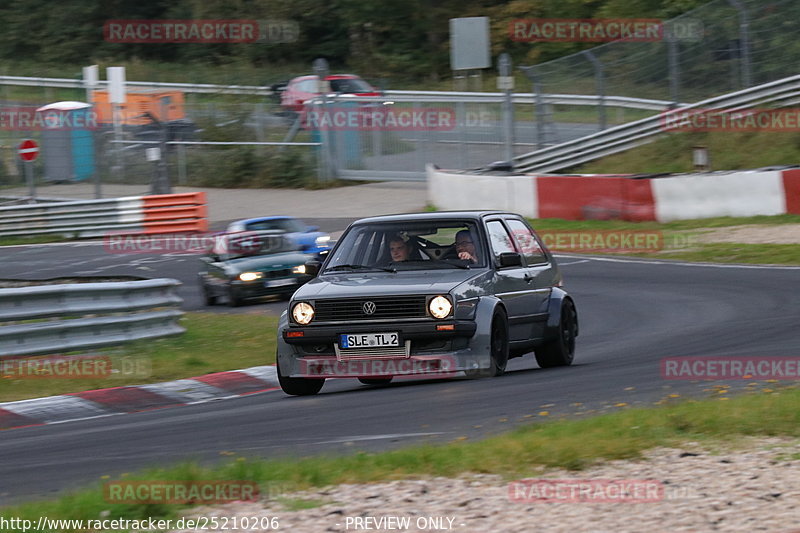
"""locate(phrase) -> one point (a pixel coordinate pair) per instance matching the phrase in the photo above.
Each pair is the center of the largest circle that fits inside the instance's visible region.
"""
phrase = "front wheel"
(298, 386)
(498, 349)
(561, 351)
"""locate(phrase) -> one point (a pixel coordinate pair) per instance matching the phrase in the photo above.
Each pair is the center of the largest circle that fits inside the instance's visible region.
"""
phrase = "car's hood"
(385, 283)
(261, 263)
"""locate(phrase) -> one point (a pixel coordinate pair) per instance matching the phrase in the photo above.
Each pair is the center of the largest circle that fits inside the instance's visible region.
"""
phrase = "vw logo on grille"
(368, 308)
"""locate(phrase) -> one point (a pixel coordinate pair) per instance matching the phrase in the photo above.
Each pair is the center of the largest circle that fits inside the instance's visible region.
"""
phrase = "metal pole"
(538, 105)
(744, 42)
(674, 71)
(600, 80)
(506, 82)
(31, 182)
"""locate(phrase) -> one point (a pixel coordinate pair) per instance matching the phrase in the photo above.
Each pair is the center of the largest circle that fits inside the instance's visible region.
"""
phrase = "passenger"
(399, 249)
(465, 247)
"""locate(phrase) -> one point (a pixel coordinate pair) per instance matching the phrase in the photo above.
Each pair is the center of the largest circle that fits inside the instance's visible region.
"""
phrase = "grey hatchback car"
(426, 294)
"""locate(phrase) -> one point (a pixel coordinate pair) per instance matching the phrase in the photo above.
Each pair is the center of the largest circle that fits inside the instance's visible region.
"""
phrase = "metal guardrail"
(94, 218)
(626, 136)
(400, 96)
(83, 315)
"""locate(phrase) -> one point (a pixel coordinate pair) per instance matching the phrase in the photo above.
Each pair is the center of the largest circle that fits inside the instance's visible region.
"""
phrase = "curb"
(137, 398)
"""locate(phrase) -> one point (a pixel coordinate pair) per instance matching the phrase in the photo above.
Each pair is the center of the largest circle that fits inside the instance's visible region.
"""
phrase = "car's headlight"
(302, 313)
(440, 307)
(250, 276)
(299, 269)
(322, 241)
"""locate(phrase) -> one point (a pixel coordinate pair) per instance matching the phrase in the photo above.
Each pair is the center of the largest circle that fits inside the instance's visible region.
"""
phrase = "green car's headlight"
(440, 307)
(299, 269)
(303, 313)
(250, 276)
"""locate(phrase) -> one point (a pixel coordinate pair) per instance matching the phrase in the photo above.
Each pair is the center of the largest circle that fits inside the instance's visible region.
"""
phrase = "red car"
(304, 88)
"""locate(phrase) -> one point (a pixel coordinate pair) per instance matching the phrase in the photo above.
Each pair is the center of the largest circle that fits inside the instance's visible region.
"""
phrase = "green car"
(251, 264)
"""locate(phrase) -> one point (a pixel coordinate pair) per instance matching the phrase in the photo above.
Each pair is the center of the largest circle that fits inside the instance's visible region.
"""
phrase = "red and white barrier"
(166, 213)
(666, 198)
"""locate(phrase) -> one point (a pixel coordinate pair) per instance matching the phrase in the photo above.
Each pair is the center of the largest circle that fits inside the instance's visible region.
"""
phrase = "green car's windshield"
(418, 245)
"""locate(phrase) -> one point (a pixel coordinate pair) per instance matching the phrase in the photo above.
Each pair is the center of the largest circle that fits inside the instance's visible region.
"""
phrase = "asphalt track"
(632, 313)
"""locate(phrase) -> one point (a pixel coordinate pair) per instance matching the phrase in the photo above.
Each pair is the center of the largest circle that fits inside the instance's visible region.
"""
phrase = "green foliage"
(250, 167)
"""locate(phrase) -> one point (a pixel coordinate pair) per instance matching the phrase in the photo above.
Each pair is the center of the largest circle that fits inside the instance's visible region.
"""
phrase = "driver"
(465, 247)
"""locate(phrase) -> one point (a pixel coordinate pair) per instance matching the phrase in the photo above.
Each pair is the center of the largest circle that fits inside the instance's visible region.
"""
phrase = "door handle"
(528, 278)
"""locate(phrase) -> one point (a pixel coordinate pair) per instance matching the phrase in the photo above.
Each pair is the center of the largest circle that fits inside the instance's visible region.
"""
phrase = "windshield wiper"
(359, 267)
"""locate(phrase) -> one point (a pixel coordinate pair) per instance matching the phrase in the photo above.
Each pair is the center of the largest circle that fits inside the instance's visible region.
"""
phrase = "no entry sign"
(28, 150)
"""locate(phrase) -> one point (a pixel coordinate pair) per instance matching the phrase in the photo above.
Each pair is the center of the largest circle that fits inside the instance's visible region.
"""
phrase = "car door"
(512, 284)
(539, 273)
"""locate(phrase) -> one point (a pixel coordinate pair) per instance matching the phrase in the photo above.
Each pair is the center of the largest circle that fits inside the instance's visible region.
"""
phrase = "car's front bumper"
(431, 352)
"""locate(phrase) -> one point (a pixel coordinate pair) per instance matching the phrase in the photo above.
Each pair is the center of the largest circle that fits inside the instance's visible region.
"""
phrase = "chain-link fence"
(723, 46)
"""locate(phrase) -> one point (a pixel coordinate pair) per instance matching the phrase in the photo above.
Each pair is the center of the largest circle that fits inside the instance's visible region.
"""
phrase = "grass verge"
(571, 444)
(212, 343)
(681, 240)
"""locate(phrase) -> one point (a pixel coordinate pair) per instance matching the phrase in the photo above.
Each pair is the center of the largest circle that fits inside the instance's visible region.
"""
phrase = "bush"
(247, 167)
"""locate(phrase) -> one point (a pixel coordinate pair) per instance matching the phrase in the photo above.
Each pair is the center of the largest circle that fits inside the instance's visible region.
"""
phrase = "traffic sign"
(28, 150)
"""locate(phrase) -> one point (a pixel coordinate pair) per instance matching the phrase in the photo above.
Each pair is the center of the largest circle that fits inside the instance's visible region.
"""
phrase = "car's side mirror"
(312, 267)
(509, 259)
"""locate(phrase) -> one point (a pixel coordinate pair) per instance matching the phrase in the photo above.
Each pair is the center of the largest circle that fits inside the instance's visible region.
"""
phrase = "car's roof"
(437, 215)
(259, 219)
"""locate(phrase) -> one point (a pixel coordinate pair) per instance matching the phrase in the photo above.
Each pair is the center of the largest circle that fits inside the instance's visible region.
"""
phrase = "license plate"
(278, 282)
(368, 340)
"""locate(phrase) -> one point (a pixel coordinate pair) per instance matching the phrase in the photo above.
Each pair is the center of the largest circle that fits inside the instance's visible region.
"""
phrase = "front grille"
(386, 308)
(277, 273)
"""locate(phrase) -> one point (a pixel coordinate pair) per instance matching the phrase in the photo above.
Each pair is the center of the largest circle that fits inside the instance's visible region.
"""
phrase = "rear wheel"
(561, 351)
(298, 386)
(375, 381)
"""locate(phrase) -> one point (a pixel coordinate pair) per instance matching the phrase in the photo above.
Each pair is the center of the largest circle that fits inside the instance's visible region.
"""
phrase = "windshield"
(252, 243)
(291, 225)
(395, 247)
(350, 86)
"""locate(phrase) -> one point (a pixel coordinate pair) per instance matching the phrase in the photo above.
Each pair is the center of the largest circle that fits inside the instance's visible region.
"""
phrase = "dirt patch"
(751, 234)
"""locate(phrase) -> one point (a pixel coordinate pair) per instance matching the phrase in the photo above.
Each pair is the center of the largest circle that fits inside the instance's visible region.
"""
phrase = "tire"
(234, 300)
(561, 351)
(208, 298)
(498, 349)
(298, 386)
(499, 344)
(375, 381)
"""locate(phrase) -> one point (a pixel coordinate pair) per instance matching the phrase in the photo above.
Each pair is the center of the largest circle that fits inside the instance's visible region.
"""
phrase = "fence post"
(600, 81)
(744, 42)
(506, 83)
(674, 70)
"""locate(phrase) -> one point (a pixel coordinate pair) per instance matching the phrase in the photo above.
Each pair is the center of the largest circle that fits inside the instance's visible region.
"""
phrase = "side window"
(530, 247)
(499, 237)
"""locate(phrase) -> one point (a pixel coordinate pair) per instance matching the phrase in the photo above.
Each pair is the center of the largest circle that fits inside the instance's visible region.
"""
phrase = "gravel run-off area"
(752, 487)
